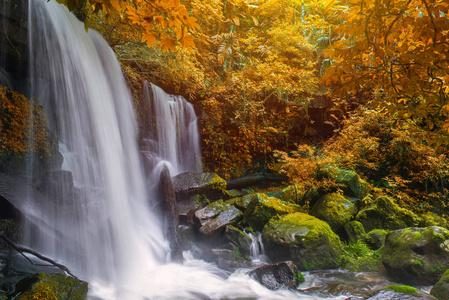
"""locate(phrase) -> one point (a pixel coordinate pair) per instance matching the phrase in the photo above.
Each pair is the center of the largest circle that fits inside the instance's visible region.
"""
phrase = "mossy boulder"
(402, 292)
(441, 289)
(241, 202)
(208, 185)
(307, 241)
(416, 256)
(352, 184)
(282, 275)
(334, 209)
(262, 208)
(214, 218)
(354, 231)
(375, 239)
(238, 238)
(50, 286)
(384, 213)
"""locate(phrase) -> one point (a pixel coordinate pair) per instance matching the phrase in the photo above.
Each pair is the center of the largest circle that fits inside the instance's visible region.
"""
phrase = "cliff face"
(14, 45)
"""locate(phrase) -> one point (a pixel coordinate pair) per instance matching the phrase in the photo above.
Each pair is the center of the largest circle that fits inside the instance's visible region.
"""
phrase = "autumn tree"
(398, 50)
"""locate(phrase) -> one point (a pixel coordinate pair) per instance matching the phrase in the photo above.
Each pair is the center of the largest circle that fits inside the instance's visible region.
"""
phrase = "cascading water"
(170, 132)
(106, 231)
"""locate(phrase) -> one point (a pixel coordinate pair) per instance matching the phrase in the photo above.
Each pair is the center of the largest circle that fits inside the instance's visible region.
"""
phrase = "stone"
(52, 286)
(353, 185)
(227, 259)
(209, 185)
(354, 231)
(239, 238)
(384, 213)
(186, 236)
(375, 239)
(307, 241)
(441, 289)
(214, 218)
(262, 208)
(335, 209)
(416, 256)
(400, 292)
(186, 211)
(282, 275)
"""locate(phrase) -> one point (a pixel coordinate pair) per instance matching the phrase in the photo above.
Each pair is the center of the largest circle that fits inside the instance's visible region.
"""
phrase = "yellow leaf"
(187, 42)
(256, 22)
(236, 20)
(168, 44)
(149, 38)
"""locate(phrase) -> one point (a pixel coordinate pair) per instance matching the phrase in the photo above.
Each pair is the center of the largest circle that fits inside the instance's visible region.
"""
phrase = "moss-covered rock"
(262, 208)
(354, 231)
(384, 213)
(430, 219)
(353, 185)
(441, 289)
(208, 185)
(241, 202)
(402, 292)
(238, 238)
(375, 239)
(307, 241)
(335, 209)
(50, 286)
(416, 256)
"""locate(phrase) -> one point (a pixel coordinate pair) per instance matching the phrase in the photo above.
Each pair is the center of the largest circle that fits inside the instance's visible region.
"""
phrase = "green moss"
(299, 278)
(360, 257)
(404, 289)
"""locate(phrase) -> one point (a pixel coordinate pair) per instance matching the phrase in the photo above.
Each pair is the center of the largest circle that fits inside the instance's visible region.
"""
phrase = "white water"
(108, 234)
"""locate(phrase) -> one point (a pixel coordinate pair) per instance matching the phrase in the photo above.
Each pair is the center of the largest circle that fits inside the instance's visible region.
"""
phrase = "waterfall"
(106, 230)
(169, 132)
(103, 225)
(256, 249)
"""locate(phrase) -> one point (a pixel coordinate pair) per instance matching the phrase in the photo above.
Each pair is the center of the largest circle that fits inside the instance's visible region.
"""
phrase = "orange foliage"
(22, 124)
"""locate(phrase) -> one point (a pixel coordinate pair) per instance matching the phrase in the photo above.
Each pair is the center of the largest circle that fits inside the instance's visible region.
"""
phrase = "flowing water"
(108, 232)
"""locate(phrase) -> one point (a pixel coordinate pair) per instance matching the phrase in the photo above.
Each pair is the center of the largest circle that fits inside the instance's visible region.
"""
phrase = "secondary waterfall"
(169, 131)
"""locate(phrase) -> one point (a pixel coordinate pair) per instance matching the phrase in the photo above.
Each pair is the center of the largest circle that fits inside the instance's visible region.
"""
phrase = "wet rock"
(353, 185)
(209, 185)
(354, 231)
(262, 208)
(240, 202)
(47, 286)
(441, 289)
(186, 211)
(307, 241)
(375, 239)
(335, 209)
(239, 238)
(282, 275)
(227, 259)
(400, 292)
(214, 218)
(384, 213)
(417, 256)
(186, 236)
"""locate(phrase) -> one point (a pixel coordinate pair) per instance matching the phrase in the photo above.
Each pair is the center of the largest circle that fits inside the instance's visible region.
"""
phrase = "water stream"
(108, 232)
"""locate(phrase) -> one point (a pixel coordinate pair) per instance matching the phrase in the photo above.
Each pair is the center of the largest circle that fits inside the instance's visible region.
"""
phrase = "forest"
(329, 115)
(279, 84)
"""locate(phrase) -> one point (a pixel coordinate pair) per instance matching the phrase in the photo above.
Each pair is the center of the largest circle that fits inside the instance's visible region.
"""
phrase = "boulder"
(44, 286)
(441, 289)
(238, 238)
(417, 256)
(241, 202)
(299, 194)
(262, 208)
(214, 218)
(352, 184)
(400, 292)
(384, 213)
(335, 209)
(227, 259)
(209, 185)
(354, 231)
(282, 275)
(375, 239)
(307, 241)
(186, 211)
(186, 236)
